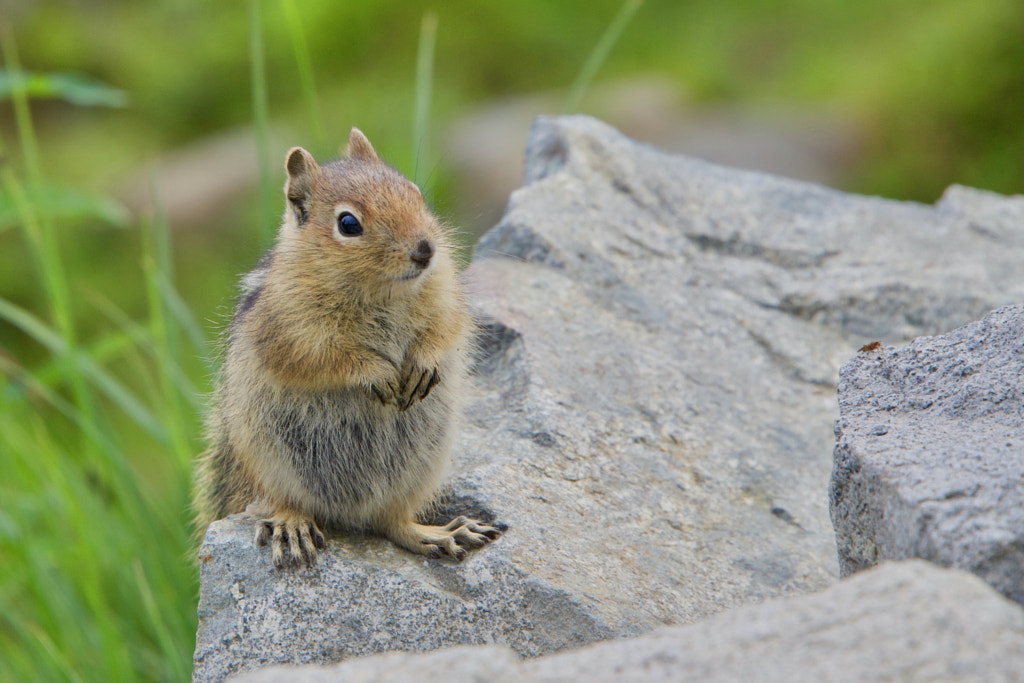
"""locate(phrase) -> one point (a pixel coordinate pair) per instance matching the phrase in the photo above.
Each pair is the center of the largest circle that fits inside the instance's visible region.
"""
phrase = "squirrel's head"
(357, 222)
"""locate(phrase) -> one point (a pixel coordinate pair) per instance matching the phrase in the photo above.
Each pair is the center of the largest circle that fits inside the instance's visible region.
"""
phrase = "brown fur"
(339, 396)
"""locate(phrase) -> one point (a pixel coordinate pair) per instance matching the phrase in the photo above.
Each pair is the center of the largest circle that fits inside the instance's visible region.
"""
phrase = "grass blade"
(305, 66)
(36, 389)
(183, 314)
(424, 93)
(72, 88)
(261, 119)
(599, 54)
(67, 203)
(87, 368)
(140, 337)
(37, 224)
(166, 642)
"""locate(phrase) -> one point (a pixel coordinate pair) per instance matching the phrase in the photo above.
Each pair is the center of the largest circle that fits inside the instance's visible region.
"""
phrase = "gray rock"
(463, 664)
(365, 596)
(929, 458)
(907, 621)
(484, 147)
(653, 408)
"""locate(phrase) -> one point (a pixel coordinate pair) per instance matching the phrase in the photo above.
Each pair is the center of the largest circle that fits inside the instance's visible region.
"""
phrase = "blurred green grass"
(106, 317)
(94, 544)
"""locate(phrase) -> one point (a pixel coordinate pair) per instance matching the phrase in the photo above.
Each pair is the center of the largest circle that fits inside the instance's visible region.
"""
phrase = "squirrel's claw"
(416, 384)
(427, 384)
(453, 540)
(385, 393)
(299, 535)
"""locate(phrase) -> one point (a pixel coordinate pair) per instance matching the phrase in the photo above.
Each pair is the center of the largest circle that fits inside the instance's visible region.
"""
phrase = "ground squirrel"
(339, 396)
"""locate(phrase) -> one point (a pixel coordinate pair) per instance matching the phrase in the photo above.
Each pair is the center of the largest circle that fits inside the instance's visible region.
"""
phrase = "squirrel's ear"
(359, 146)
(300, 163)
(302, 169)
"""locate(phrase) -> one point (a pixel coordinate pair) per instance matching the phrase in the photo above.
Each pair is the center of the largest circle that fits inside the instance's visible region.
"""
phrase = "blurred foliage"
(73, 88)
(929, 79)
(102, 361)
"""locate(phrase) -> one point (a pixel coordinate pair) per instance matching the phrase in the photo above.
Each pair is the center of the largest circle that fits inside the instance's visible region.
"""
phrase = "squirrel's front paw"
(417, 381)
(385, 392)
(299, 534)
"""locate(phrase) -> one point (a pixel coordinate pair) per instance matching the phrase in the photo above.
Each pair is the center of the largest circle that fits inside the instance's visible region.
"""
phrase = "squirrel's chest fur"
(332, 451)
(347, 456)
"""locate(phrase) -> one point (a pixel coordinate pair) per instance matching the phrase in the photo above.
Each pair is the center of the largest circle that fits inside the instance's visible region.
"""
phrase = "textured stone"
(652, 411)
(365, 596)
(906, 622)
(929, 458)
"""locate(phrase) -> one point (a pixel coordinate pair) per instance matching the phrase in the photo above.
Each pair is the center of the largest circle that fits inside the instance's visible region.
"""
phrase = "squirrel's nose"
(422, 253)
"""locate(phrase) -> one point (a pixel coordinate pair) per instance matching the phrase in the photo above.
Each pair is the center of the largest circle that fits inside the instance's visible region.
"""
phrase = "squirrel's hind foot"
(453, 540)
(297, 534)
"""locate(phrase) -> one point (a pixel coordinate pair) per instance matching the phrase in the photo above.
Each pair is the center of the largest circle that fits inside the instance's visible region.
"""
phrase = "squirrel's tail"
(217, 488)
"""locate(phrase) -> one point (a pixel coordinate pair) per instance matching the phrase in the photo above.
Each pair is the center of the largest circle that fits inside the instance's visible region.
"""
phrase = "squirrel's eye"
(348, 225)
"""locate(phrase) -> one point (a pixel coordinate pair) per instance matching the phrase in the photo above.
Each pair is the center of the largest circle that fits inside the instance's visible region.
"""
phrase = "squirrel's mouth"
(412, 275)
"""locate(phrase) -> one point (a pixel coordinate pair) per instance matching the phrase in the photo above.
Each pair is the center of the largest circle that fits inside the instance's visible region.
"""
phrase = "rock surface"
(907, 621)
(484, 147)
(653, 409)
(929, 459)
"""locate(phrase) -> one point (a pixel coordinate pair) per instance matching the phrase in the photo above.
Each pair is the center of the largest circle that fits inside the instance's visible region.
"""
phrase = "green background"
(108, 313)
